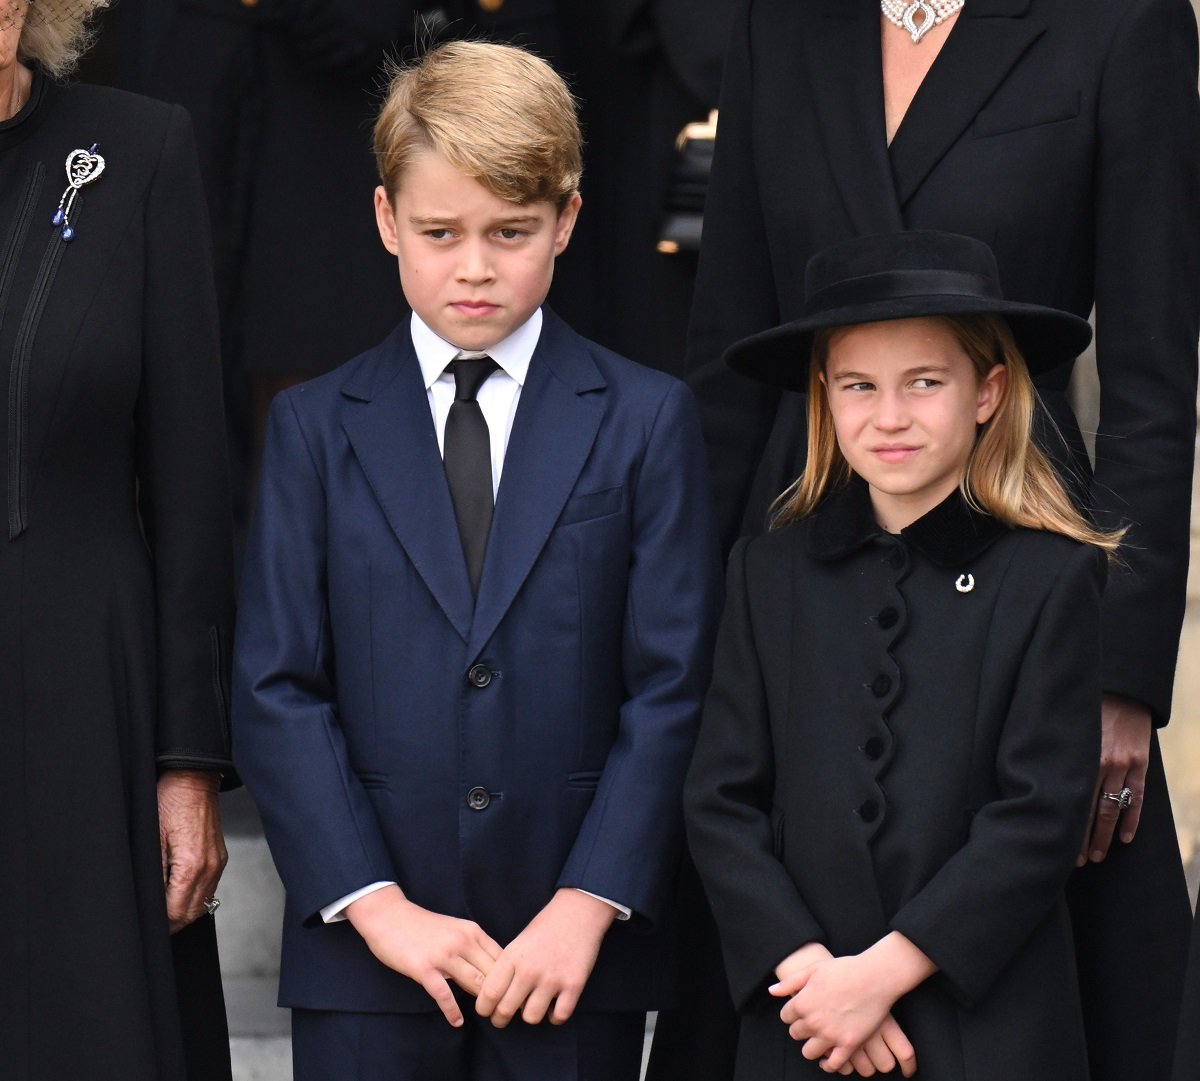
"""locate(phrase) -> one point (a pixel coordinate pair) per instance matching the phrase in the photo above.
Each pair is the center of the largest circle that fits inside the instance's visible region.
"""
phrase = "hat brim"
(1046, 337)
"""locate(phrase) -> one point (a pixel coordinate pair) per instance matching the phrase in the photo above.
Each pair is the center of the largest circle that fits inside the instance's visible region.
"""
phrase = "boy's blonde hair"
(1007, 474)
(496, 113)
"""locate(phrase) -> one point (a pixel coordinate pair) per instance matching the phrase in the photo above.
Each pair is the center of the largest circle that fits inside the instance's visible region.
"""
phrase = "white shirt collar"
(513, 353)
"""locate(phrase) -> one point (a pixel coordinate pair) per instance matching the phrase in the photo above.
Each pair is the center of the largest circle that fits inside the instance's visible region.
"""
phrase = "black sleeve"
(728, 804)
(182, 473)
(1147, 314)
(735, 294)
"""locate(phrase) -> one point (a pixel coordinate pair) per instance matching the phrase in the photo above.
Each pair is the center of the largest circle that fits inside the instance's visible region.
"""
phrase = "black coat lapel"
(845, 66)
(553, 432)
(988, 39)
(395, 442)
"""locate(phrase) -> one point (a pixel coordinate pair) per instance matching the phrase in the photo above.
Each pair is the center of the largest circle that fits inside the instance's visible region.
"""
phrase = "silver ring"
(211, 904)
(1122, 799)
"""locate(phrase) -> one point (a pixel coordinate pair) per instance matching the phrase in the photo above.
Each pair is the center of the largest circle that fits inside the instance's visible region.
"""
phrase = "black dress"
(115, 589)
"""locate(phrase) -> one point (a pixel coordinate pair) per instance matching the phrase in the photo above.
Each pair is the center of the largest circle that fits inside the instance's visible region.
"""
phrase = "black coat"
(645, 69)
(1187, 1052)
(882, 751)
(115, 588)
(1065, 134)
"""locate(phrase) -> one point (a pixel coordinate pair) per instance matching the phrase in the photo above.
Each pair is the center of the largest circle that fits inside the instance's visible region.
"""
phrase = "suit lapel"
(988, 39)
(846, 85)
(393, 438)
(553, 432)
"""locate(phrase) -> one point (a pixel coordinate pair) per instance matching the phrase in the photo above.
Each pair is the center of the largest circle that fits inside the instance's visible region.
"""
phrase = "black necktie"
(467, 453)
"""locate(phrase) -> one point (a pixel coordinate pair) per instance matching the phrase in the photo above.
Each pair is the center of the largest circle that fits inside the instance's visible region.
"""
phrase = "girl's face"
(906, 401)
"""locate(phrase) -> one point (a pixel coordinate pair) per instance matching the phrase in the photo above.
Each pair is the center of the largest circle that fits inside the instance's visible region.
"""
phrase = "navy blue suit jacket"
(361, 734)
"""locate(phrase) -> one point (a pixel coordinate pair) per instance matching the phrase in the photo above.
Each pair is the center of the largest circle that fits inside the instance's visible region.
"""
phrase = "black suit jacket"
(1065, 134)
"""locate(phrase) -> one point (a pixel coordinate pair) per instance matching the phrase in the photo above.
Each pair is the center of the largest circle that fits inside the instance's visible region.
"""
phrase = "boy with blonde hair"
(474, 630)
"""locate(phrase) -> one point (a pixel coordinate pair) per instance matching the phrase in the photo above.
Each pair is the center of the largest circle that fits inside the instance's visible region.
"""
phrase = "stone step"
(261, 1058)
(251, 913)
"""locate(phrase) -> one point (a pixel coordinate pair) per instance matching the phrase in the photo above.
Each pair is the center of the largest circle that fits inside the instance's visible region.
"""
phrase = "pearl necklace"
(903, 14)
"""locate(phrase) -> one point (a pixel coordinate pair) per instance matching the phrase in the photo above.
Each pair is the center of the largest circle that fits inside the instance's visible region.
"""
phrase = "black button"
(887, 618)
(480, 675)
(478, 799)
(873, 748)
(896, 559)
(880, 685)
(869, 811)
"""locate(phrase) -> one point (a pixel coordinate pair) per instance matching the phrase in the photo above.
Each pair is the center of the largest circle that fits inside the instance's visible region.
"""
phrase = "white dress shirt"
(498, 397)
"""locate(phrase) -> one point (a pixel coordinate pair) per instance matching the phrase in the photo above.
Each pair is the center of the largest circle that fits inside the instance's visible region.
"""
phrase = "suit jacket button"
(478, 799)
(869, 811)
(873, 748)
(479, 675)
(880, 686)
(887, 618)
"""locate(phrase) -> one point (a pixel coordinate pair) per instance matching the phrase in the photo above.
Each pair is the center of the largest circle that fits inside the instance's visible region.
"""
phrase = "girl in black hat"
(898, 751)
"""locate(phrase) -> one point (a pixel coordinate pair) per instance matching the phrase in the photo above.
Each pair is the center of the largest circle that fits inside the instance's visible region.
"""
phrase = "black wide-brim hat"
(873, 279)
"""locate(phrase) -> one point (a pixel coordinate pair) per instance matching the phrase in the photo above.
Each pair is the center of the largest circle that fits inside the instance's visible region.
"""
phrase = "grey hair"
(56, 33)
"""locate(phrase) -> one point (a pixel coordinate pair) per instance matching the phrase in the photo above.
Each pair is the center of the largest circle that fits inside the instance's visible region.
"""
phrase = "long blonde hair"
(1007, 475)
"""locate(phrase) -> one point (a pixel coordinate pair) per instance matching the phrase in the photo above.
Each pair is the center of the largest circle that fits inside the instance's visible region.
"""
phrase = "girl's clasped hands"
(840, 1007)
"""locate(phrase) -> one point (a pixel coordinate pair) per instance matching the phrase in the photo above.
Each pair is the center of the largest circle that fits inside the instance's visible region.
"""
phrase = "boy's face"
(473, 266)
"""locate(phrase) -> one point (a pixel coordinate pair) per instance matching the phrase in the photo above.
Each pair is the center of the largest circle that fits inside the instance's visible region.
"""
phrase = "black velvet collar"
(949, 535)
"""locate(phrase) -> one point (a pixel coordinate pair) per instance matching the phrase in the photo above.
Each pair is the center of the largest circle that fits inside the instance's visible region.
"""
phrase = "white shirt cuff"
(623, 913)
(336, 912)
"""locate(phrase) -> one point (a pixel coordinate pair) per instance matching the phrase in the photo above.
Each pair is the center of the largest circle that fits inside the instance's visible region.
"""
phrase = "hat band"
(903, 285)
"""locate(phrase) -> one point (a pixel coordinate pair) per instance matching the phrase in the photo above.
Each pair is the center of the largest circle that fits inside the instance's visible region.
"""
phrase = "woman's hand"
(193, 848)
(1125, 730)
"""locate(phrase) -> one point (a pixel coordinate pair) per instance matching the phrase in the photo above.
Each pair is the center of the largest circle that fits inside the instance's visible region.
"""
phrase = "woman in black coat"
(898, 748)
(1187, 1049)
(1066, 135)
(115, 579)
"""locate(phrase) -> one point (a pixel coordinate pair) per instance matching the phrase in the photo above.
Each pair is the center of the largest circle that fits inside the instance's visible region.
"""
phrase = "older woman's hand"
(193, 847)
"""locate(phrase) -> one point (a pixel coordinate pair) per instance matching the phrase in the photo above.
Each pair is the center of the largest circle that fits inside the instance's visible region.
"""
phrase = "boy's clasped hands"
(840, 1007)
(539, 975)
